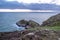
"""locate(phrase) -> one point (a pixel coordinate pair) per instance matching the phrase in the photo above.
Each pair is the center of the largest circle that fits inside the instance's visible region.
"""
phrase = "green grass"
(52, 28)
(46, 27)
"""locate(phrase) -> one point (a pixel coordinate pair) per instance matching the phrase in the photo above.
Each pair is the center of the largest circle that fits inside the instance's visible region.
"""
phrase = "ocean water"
(8, 19)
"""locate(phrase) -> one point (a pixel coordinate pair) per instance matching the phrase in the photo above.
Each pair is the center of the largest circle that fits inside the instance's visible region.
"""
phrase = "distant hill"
(44, 7)
(11, 5)
(52, 21)
(32, 6)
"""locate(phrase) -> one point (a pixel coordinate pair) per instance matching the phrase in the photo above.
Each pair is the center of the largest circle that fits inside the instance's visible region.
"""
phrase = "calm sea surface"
(8, 20)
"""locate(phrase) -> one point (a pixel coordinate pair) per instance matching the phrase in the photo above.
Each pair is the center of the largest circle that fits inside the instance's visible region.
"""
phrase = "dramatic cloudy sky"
(37, 1)
(37, 4)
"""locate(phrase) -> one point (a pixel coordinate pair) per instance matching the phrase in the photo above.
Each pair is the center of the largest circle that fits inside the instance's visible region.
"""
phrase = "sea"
(8, 19)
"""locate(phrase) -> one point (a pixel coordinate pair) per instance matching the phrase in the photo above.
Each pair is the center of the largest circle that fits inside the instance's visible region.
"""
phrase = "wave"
(19, 28)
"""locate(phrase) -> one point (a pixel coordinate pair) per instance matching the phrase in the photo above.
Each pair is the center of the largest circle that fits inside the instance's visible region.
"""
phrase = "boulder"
(27, 24)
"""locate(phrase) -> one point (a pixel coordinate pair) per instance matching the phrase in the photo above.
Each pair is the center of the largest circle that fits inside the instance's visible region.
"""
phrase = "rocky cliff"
(52, 21)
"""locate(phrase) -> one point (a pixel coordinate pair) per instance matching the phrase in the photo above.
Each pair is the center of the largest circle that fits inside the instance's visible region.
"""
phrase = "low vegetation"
(56, 28)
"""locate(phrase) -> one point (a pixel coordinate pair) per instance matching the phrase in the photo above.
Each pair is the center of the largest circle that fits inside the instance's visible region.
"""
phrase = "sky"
(31, 7)
(57, 2)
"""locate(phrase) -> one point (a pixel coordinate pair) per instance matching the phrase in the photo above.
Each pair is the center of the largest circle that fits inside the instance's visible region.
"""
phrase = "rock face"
(30, 35)
(27, 24)
(52, 21)
(41, 35)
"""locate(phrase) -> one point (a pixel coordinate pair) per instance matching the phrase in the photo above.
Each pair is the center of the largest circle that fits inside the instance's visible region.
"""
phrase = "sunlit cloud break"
(24, 10)
(37, 1)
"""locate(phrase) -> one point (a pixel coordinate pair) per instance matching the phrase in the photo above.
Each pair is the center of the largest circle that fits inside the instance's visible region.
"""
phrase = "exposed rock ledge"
(30, 35)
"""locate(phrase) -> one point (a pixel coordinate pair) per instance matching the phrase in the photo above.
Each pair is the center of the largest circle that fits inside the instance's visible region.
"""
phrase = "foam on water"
(12, 28)
(19, 28)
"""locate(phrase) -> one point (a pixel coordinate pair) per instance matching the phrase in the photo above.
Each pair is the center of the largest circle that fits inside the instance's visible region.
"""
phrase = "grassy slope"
(55, 26)
(52, 28)
(46, 27)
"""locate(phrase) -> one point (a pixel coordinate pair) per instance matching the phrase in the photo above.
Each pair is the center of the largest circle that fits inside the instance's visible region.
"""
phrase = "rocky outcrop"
(41, 35)
(27, 24)
(30, 35)
(52, 21)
